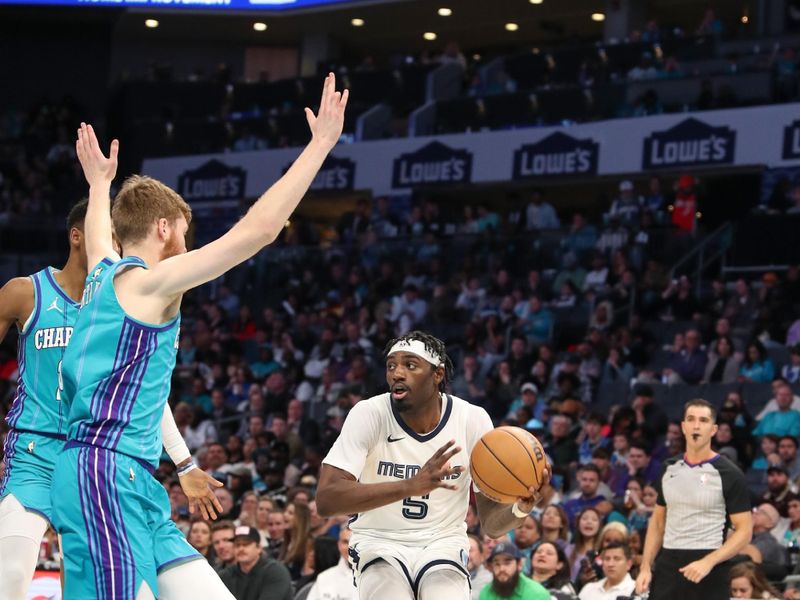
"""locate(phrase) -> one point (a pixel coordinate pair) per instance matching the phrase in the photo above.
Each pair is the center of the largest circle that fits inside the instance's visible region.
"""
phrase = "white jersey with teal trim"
(43, 339)
(377, 446)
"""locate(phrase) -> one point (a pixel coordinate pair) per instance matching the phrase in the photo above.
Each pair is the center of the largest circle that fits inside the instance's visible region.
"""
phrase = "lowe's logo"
(212, 181)
(689, 143)
(434, 164)
(557, 154)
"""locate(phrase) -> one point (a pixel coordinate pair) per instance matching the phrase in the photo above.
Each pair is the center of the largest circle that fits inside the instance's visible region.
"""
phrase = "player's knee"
(443, 583)
(14, 579)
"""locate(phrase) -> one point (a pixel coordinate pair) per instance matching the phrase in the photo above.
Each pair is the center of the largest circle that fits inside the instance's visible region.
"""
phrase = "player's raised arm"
(99, 171)
(16, 303)
(267, 217)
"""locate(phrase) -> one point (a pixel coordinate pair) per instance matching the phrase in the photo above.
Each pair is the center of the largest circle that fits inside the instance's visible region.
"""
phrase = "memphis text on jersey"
(401, 471)
(52, 337)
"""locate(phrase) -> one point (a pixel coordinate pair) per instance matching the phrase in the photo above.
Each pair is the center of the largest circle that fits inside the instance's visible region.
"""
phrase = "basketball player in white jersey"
(400, 466)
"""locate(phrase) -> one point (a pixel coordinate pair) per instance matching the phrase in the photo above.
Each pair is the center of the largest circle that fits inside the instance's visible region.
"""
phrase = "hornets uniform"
(112, 514)
(416, 535)
(37, 416)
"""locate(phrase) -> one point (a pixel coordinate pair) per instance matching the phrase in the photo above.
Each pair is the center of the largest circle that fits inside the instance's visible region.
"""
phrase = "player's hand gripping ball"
(506, 462)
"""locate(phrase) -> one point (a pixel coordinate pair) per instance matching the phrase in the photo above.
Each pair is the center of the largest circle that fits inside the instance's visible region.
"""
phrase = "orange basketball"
(506, 462)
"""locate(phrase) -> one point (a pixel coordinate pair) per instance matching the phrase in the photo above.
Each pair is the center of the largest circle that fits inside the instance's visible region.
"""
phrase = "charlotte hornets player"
(44, 307)
(400, 466)
(114, 518)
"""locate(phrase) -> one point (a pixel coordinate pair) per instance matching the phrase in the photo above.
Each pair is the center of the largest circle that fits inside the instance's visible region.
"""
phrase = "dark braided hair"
(433, 345)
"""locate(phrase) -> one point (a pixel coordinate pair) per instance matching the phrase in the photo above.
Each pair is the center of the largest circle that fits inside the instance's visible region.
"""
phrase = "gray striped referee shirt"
(699, 499)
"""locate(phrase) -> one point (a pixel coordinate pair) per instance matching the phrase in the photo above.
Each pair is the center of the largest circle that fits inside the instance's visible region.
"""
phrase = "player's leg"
(382, 580)
(21, 535)
(444, 583)
(25, 507)
(105, 534)
(440, 569)
(183, 574)
(193, 580)
(145, 593)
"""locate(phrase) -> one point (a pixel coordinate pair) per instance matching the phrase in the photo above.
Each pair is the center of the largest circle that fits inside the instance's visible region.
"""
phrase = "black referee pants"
(668, 582)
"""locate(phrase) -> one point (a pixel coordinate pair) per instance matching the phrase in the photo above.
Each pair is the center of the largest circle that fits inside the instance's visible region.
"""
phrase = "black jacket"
(268, 580)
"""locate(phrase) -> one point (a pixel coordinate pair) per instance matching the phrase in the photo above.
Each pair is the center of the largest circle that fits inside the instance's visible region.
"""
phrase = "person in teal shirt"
(783, 421)
(508, 581)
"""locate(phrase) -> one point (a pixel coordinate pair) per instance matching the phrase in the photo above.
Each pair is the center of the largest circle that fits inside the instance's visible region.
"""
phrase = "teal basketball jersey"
(117, 370)
(43, 340)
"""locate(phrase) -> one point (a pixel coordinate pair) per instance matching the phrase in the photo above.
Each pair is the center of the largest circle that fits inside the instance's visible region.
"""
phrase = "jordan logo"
(55, 306)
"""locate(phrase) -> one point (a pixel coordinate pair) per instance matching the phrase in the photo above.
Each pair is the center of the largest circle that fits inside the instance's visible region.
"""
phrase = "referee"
(699, 495)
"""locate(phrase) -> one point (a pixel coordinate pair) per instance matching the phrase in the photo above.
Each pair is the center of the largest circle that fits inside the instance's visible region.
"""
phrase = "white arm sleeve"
(173, 442)
(358, 436)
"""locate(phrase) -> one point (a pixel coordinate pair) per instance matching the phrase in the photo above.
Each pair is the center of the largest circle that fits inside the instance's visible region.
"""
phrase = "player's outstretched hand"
(528, 503)
(96, 166)
(438, 466)
(326, 126)
(198, 487)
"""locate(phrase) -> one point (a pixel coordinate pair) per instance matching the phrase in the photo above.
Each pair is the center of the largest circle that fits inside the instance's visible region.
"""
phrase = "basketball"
(506, 462)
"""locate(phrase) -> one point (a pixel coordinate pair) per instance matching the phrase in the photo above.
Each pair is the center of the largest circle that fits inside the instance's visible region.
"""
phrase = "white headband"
(418, 348)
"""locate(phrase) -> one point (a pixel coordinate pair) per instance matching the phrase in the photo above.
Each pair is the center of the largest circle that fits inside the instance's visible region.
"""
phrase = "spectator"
(588, 484)
(773, 555)
(626, 208)
(722, 365)
(526, 538)
(742, 308)
(539, 214)
(276, 526)
(785, 420)
(593, 438)
(640, 500)
(254, 576)
(779, 489)
(687, 365)
(587, 530)
(551, 570)
(537, 323)
(791, 538)
(263, 509)
(336, 582)
(649, 416)
(408, 309)
(222, 534)
(787, 451)
(614, 237)
(200, 539)
(791, 372)
(616, 369)
(757, 365)
(295, 537)
(508, 580)
(559, 444)
(617, 562)
(747, 580)
(555, 525)
(644, 70)
(479, 575)
(639, 464)
(772, 405)
(684, 212)
(581, 237)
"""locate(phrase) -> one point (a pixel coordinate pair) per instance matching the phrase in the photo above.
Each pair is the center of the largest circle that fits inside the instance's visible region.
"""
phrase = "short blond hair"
(142, 201)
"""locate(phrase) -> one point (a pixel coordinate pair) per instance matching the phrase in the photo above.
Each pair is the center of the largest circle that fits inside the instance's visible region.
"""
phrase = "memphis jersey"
(42, 341)
(377, 446)
(117, 370)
